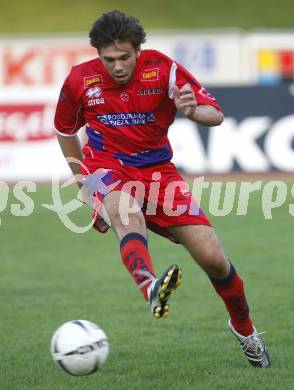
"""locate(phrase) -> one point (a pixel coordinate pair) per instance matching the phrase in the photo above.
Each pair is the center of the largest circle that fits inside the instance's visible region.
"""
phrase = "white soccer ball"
(79, 347)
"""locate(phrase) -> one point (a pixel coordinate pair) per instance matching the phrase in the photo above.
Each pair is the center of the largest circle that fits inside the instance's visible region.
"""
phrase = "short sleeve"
(68, 115)
(203, 97)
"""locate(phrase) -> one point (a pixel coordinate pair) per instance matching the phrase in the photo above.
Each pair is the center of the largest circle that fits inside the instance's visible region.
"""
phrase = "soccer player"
(128, 98)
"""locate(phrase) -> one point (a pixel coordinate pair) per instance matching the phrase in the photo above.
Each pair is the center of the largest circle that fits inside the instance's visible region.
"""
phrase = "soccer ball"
(79, 347)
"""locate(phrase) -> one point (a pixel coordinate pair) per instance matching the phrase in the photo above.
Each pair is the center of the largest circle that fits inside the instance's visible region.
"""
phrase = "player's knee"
(137, 222)
(216, 264)
(124, 224)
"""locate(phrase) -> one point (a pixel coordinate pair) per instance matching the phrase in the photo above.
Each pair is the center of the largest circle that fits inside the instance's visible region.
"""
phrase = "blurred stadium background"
(244, 54)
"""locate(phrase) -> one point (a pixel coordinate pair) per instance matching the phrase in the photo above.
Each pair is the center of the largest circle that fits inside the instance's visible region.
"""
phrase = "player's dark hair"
(115, 26)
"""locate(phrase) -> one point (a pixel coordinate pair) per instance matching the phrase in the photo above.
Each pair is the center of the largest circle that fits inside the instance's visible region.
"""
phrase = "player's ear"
(138, 52)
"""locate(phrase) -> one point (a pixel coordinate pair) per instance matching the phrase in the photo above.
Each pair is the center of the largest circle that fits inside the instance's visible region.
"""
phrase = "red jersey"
(127, 122)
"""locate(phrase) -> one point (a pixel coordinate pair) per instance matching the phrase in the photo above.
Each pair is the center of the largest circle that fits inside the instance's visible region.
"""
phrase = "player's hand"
(185, 99)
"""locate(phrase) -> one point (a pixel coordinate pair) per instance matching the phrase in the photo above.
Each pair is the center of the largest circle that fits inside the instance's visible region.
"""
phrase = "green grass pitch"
(54, 16)
(49, 275)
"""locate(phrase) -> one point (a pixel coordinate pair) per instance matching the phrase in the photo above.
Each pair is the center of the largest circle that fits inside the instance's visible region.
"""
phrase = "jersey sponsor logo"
(127, 118)
(151, 91)
(95, 102)
(93, 80)
(94, 92)
(150, 74)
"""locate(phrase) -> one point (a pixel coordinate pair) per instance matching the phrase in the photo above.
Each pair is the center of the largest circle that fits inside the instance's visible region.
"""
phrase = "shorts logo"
(93, 80)
(185, 193)
(150, 74)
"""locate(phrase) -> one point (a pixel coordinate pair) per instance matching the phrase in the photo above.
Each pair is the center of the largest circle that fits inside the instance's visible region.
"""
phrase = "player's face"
(120, 61)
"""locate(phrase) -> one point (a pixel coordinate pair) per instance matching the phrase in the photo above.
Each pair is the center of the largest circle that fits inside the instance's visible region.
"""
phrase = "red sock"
(136, 258)
(231, 290)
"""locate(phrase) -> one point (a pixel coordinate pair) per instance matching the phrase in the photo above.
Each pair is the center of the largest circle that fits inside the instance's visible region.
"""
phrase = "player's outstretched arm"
(186, 103)
(207, 116)
(71, 147)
